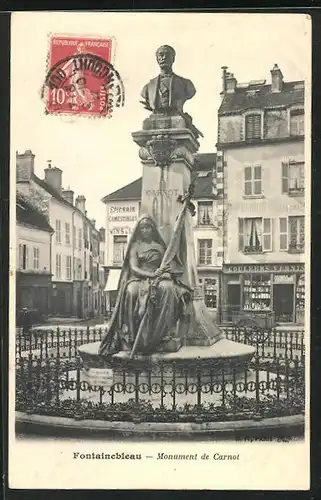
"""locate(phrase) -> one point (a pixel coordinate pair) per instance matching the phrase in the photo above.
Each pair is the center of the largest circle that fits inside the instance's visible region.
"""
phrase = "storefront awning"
(112, 280)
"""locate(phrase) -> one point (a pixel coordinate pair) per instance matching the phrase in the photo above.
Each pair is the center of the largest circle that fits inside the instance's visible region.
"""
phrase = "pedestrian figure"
(26, 322)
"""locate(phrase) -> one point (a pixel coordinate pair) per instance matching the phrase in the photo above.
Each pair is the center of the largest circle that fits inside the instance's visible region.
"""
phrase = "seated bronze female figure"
(150, 300)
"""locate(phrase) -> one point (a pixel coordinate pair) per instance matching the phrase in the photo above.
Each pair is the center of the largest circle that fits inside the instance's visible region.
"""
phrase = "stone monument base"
(224, 354)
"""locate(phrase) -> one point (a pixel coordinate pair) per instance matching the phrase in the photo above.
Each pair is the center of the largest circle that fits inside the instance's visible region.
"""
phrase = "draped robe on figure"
(145, 305)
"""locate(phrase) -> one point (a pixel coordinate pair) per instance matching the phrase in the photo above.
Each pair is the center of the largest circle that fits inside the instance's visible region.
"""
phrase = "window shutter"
(26, 257)
(241, 235)
(283, 221)
(257, 180)
(285, 177)
(267, 234)
(248, 181)
(253, 126)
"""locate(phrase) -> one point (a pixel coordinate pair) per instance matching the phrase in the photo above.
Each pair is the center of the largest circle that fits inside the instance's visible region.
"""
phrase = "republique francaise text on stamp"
(81, 79)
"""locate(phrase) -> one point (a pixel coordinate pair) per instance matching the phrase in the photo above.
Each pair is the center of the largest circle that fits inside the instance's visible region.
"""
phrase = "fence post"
(174, 386)
(78, 414)
(223, 387)
(136, 386)
(161, 367)
(58, 342)
(199, 385)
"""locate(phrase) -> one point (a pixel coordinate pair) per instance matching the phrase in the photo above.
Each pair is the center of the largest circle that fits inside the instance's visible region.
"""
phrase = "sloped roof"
(51, 190)
(203, 185)
(27, 214)
(132, 191)
(261, 96)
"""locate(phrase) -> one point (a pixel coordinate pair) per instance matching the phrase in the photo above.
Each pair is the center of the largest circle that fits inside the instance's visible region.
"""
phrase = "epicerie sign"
(122, 214)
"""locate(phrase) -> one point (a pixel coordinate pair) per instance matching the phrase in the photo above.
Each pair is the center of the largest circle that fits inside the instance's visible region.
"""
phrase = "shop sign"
(121, 230)
(283, 278)
(263, 268)
(123, 213)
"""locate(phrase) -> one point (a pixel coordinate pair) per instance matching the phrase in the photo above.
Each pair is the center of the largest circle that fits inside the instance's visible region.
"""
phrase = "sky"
(98, 156)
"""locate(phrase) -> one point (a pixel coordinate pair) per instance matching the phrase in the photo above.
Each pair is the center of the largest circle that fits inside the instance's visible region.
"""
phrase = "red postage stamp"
(81, 79)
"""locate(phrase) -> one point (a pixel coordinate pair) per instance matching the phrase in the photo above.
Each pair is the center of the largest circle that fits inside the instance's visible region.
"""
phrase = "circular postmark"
(83, 84)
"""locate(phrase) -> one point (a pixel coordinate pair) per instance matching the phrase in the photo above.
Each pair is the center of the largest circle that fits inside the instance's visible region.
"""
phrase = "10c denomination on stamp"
(81, 79)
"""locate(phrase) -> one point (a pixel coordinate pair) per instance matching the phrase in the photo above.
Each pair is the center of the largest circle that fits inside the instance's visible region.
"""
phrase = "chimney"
(276, 79)
(102, 233)
(81, 203)
(230, 83)
(68, 195)
(224, 68)
(53, 176)
(24, 165)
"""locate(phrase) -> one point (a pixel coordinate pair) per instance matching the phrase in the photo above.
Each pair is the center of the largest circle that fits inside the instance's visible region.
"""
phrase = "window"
(120, 244)
(253, 124)
(58, 231)
(78, 269)
(296, 234)
(210, 293)
(68, 267)
(67, 233)
(204, 252)
(102, 257)
(74, 235)
(23, 256)
(205, 213)
(58, 266)
(293, 177)
(253, 180)
(255, 235)
(36, 257)
(79, 239)
(257, 292)
(292, 234)
(297, 122)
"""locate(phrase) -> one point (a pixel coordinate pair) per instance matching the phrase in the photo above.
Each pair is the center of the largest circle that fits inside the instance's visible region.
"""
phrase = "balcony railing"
(296, 248)
(297, 191)
(252, 249)
(205, 222)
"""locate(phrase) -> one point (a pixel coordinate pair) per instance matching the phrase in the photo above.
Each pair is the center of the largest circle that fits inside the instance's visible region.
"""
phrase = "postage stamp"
(81, 79)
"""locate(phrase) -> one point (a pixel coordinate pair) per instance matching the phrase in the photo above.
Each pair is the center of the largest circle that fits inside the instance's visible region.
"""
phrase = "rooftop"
(51, 190)
(204, 164)
(28, 214)
(258, 95)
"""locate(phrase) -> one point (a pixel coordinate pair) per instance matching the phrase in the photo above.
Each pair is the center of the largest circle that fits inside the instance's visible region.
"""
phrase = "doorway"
(283, 297)
(233, 300)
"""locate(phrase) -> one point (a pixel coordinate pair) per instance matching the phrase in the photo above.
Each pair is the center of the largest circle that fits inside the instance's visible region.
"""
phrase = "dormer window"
(253, 126)
(297, 122)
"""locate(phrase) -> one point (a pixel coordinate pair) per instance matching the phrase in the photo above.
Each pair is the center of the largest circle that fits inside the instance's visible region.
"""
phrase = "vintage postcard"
(159, 252)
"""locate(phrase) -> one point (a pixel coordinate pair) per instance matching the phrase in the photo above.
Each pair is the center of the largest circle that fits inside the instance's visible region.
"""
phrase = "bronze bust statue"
(167, 93)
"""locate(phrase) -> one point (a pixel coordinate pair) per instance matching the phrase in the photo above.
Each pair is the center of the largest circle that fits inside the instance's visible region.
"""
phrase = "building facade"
(122, 213)
(75, 242)
(33, 259)
(261, 146)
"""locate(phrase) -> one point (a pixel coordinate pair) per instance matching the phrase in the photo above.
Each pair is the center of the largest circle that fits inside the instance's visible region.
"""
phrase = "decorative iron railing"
(270, 343)
(51, 379)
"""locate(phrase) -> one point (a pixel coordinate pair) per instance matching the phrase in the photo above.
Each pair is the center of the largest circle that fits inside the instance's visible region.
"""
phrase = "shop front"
(269, 293)
(210, 283)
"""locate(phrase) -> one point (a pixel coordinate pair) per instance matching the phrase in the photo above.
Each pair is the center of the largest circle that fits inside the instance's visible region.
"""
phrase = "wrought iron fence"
(270, 344)
(52, 380)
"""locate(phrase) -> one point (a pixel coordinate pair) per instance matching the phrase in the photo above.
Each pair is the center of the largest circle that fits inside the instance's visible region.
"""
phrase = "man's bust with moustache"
(167, 93)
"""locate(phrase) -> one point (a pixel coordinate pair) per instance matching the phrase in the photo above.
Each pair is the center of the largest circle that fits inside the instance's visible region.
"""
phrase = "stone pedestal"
(167, 158)
(167, 151)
